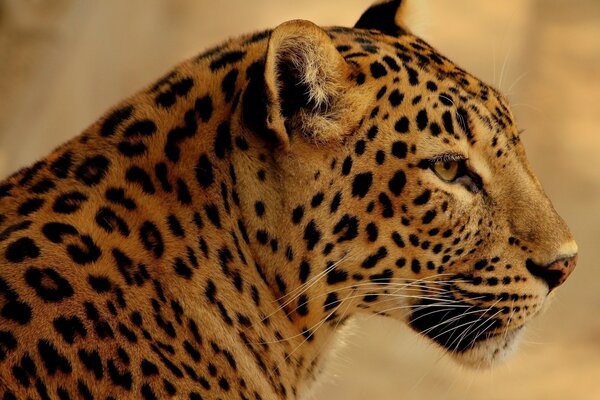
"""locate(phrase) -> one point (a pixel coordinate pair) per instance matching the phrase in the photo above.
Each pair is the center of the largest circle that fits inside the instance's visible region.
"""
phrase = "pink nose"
(564, 266)
(555, 273)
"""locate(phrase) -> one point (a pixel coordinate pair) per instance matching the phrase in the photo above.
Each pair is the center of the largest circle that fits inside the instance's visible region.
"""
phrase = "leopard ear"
(386, 16)
(307, 81)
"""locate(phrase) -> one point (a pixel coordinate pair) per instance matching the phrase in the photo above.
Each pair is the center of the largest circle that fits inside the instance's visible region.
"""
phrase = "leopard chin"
(473, 335)
(491, 351)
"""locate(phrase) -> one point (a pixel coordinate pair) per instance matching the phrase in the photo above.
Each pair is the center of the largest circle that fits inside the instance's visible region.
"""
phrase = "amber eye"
(447, 170)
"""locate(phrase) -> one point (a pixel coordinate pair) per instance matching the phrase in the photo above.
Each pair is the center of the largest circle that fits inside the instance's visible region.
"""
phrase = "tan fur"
(217, 246)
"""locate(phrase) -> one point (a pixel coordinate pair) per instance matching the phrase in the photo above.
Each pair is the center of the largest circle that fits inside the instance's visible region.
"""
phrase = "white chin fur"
(490, 352)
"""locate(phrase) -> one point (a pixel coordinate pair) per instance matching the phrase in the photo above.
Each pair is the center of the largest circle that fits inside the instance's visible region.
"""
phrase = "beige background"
(63, 62)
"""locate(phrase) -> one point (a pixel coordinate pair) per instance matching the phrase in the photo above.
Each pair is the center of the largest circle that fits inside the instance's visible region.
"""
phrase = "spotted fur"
(207, 237)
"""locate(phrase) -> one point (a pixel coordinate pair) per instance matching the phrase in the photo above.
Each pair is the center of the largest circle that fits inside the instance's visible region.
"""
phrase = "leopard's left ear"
(307, 83)
(386, 16)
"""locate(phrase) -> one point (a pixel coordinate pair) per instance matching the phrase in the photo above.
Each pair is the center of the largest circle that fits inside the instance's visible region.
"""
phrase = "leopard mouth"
(460, 327)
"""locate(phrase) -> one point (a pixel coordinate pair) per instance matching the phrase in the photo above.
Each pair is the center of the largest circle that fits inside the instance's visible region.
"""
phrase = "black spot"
(431, 86)
(175, 226)
(386, 203)
(304, 271)
(399, 149)
(401, 125)
(331, 301)
(415, 266)
(179, 134)
(361, 184)
(183, 193)
(336, 275)
(396, 184)
(413, 76)
(128, 333)
(13, 309)
(69, 328)
(5, 189)
(317, 199)
(117, 196)
(43, 186)
(297, 215)
(222, 140)
(210, 291)
(108, 220)
(435, 129)
(429, 216)
(463, 121)
(100, 284)
(212, 212)
(445, 99)
(398, 240)
(335, 203)
(48, 284)
(21, 249)
(259, 208)
(30, 206)
(151, 238)
(204, 171)
(302, 308)
(8, 343)
(226, 59)
(204, 108)
(312, 235)
(52, 359)
(137, 129)
(148, 368)
(54, 231)
(162, 174)
(372, 260)
(423, 198)
(120, 379)
(92, 170)
(86, 255)
(372, 232)
(359, 148)
(448, 124)
(68, 203)
(348, 226)
(422, 120)
(377, 70)
(391, 63)
(11, 229)
(138, 175)
(181, 268)
(27, 174)
(114, 120)
(92, 362)
(347, 166)
(228, 84)
(395, 98)
(174, 90)
(262, 236)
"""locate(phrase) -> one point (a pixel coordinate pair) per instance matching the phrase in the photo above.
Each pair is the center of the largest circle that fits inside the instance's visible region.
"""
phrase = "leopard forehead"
(207, 237)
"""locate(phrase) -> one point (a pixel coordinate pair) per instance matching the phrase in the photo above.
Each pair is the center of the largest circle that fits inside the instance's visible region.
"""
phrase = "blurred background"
(64, 62)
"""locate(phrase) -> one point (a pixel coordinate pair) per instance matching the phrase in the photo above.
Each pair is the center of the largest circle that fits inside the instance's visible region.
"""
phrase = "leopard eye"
(452, 168)
(447, 170)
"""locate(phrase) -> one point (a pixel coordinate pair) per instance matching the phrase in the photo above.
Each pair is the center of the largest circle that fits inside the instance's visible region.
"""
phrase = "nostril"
(555, 273)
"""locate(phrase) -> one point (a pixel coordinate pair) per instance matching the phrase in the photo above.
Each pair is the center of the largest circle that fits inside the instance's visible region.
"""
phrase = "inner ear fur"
(307, 81)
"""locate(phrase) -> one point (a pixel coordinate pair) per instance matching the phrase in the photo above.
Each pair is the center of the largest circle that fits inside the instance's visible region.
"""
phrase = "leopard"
(210, 236)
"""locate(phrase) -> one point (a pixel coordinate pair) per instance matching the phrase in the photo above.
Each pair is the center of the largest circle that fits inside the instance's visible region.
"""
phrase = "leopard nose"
(555, 273)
